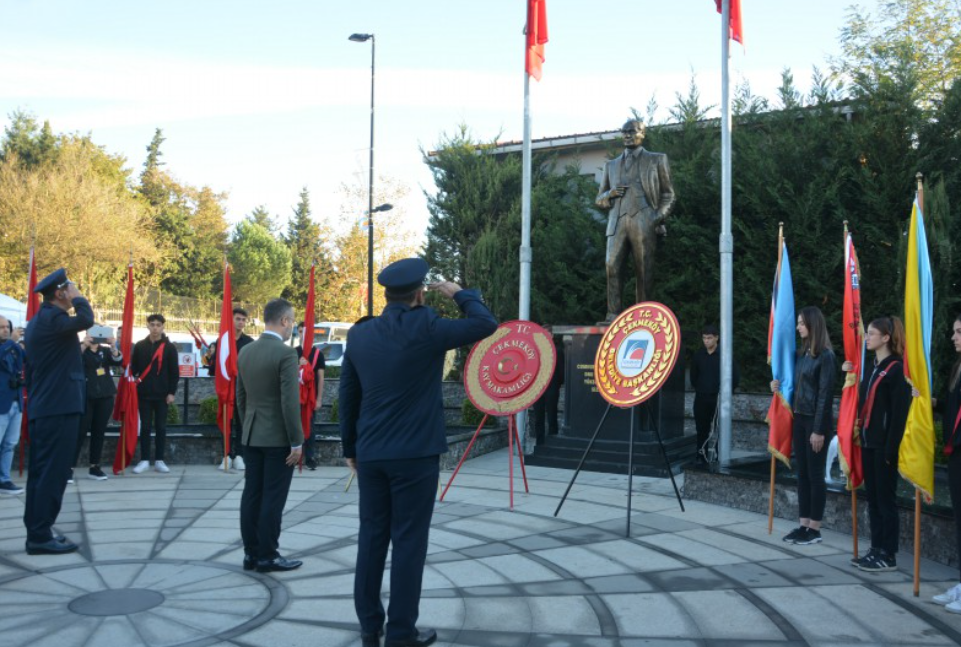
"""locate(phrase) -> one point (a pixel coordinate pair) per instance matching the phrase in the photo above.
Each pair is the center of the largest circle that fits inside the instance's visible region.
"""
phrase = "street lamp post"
(363, 38)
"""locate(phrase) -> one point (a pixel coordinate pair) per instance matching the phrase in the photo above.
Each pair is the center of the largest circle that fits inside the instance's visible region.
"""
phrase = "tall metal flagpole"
(726, 242)
(524, 308)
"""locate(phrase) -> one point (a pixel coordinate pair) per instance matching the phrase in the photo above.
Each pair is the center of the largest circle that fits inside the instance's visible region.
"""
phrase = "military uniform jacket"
(268, 394)
(648, 182)
(55, 381)
(391, 403)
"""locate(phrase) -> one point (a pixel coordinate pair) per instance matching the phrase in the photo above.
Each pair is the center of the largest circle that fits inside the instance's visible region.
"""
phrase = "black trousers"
(52, 447)
(881, 482)
(236, 435)
(153, 413)
(94, 420)
(545, 410)
(954, 485)
(396, 504)
(266, 484)
(810, 465)
(705, 406)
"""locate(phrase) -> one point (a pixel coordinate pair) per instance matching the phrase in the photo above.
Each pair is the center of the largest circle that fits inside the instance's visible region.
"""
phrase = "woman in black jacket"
(97, 360)
(814, 375)
(884, 399)
(949, 406)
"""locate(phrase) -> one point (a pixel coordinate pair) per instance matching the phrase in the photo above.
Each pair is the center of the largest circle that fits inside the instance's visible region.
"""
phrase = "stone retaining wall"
(937, 530)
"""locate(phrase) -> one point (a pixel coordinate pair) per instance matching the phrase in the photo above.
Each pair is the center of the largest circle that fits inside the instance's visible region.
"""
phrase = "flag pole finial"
(920, 178)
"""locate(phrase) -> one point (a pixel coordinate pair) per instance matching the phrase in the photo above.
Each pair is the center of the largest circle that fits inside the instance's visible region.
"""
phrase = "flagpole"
(770, 505)
(917, 491)
(526, 254)
(854, 492)
(726, 248)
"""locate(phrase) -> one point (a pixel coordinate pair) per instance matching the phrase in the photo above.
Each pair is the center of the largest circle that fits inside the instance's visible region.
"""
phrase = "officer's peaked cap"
(52, 281)
(404, 275)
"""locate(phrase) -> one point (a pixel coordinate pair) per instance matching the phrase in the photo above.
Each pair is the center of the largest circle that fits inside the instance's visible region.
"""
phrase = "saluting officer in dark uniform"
(56, 389)
(392, 428)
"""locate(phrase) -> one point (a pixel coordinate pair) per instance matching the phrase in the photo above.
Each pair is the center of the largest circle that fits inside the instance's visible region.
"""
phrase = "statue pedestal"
(584, 407)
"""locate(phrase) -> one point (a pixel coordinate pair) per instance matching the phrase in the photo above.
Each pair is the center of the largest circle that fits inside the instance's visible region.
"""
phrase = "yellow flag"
(916, 456)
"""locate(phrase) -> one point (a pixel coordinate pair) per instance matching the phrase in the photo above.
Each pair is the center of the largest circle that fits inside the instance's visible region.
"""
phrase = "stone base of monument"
(584, 408)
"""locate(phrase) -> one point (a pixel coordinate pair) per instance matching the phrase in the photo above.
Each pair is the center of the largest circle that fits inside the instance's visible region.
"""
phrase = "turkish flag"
(736, 29)
(536, 37)
(225, 382)
(308, 394)
(33, 306)
(126, 408)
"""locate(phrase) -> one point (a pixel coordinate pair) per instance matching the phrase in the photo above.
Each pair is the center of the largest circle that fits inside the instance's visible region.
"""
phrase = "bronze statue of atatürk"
(637, 190)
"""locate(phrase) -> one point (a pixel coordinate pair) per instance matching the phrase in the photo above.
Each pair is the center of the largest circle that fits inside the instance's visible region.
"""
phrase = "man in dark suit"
(268, 403)
(56, 390)
(392, 429)
(636, 188)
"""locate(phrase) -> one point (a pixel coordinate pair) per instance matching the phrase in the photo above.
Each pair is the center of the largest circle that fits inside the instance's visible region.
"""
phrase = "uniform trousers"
(153, 413)
(95, 419)
(810, 465)
(52, 445)
(266, 484)
(881, 481)
(396, 504)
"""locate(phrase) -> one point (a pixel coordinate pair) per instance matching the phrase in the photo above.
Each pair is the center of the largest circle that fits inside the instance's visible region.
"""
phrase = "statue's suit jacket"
(268, 394)
(649, 173)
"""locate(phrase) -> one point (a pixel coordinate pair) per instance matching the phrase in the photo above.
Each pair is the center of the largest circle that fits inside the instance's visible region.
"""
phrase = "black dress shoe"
(371, 638)
(250, 563)
(425, 637)
(277, 564)
(56, 546)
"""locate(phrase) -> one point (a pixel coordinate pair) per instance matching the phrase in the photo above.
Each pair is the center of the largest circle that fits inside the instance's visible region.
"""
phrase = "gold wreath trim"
(528, 396)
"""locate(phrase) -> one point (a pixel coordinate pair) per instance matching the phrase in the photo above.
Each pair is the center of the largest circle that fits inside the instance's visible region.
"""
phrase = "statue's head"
(633, 132)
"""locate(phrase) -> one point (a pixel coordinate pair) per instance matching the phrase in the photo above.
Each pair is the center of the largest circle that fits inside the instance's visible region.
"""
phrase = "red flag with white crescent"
(308, 395)
(225, 376)
(126, 409)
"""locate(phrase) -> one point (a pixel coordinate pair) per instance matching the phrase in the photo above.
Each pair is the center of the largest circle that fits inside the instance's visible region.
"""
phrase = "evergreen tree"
(303, 238)
(260, 264)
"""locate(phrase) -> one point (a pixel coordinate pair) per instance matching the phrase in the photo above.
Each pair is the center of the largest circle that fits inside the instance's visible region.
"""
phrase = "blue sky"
(260, 99)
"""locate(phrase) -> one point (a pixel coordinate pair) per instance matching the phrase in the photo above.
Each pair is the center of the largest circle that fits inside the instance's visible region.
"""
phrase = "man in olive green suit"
(268, 400)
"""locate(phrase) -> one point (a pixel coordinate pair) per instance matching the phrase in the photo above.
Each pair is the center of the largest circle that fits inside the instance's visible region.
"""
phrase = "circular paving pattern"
(116, 602)
(169, 604)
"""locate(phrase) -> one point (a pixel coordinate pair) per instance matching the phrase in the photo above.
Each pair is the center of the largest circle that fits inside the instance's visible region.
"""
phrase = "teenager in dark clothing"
(97, 360)
(706, 380)
(545, 409)
(949, 406)
(314, 358)
(154, 362)
(814, 376)
(884, 399)
(236, 453)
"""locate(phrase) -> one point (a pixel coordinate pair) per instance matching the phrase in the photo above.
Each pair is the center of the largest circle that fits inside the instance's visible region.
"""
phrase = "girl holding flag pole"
(885, 397)
(949, 406)
(814, 377)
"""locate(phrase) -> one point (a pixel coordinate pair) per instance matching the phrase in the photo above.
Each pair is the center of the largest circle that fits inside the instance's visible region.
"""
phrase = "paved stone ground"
(161, 553)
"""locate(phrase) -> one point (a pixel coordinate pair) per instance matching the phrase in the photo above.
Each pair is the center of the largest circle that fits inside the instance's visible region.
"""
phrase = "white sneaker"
(222, 463)
(954, 607)
(161, 467)
(951, 596)
(141, 466)
(239, 464)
